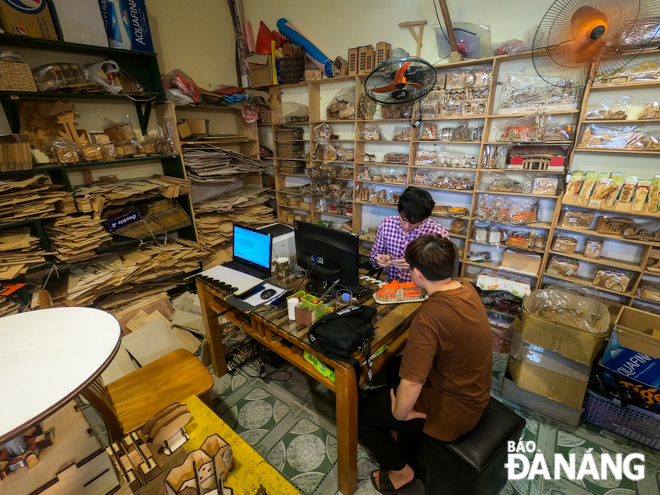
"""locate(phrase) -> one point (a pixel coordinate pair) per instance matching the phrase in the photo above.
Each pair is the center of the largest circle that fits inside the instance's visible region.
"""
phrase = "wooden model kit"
(615, 281)
(396, 292)
(166, 428)
(204, 470)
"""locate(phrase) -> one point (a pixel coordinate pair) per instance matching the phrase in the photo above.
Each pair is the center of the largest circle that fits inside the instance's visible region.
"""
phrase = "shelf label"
(122, 221)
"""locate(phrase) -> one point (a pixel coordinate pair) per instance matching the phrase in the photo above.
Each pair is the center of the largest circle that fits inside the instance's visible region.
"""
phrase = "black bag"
(338, 335)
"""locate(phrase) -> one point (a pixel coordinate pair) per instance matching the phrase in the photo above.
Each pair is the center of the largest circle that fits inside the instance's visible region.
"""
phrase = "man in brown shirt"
(446, 370)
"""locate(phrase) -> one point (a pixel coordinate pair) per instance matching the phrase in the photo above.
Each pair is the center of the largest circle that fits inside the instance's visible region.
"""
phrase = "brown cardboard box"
(521, 262)
(570, 342)
(36, 25)
(549, 384)
(550, 408)
(261, 70)
(636, 331)
(305, 206)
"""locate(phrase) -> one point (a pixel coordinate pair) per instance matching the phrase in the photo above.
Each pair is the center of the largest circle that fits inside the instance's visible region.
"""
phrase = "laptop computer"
(253, 251)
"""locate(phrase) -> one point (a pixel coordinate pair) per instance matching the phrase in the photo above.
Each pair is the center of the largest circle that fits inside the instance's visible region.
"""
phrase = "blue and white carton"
(126, 24)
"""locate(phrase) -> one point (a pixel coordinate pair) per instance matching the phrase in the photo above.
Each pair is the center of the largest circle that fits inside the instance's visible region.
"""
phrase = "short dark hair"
(415, 204)
(433, 256)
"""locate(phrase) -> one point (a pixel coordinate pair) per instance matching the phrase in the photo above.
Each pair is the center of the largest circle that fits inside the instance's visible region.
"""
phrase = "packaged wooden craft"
(372, 133)
(627, 195)
(587, 187)
(463, 182)
(650, 111)
(616, 109)
(529, 241)
(580, 220)
(630, 137)
(654, 195)
(481, 234)
(427, 132)
(562, 267)
(451, 158)
(647, 71)
(342, 106)
(423, 157)
(62, 150)
(641, 194)
(593, 249)
(492, 208)
(422, 179)
(606, 190)
(546, 186)
(564, 244)
(524, 92)
(401, 133)
(528, 129)
(396, 111)
(648, 290)
(364, 174)
(321, 132)
(573, 187)
(396, 158)
(616, 281)
(647, 231)
(493, 182)
(613, 225)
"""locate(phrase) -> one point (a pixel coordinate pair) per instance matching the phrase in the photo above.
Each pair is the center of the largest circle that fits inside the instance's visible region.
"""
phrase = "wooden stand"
(418, 36)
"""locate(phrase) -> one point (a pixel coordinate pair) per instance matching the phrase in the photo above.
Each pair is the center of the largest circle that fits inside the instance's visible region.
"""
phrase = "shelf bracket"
(10, 106)
(144, 112)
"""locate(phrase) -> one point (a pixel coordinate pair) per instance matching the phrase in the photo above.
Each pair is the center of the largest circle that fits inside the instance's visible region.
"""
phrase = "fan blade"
(398, 77)
(385, 89)
(414, 85)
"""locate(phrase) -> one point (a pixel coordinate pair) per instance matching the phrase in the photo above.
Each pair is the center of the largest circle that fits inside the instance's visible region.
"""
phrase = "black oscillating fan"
(401, 80)
(574, 34)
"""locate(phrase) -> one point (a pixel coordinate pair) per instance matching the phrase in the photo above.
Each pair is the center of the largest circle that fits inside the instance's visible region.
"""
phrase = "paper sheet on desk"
(256, 299)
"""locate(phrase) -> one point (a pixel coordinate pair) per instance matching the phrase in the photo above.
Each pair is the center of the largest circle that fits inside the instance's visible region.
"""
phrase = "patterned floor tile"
(306, 454)
(323, 402)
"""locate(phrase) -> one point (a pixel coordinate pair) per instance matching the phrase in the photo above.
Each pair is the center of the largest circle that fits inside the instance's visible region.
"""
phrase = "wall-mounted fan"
(399, 81)
(574, 34)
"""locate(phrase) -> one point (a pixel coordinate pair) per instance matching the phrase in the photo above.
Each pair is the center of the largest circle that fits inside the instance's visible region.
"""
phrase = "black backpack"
(338, 335)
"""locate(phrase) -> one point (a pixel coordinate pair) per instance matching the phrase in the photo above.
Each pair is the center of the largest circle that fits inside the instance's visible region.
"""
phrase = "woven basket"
(15, 76)
(292, 69)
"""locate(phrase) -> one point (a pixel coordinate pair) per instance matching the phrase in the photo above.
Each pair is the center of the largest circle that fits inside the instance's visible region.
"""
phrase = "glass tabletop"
(388, 319)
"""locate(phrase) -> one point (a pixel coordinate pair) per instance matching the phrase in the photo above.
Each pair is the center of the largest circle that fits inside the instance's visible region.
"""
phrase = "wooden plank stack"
(211, 164)
(29, 199)
(289, 142)
(214, 216)
(131, 273)
(75, 238)
(19, 251)
(15, 153)
(94, 198)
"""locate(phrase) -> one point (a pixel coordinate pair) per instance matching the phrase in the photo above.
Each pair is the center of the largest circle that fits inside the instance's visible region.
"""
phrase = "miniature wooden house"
(353, 62)
(204, 470)
(383, 52)
(366, 59)
(340, 67)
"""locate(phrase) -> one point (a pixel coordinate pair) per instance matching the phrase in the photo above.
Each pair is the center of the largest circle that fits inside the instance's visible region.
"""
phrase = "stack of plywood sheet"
(33, 198)
(19, 251)
(75, 238)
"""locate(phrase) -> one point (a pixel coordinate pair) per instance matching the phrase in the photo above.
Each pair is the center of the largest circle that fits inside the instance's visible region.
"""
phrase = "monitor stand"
(317, 287)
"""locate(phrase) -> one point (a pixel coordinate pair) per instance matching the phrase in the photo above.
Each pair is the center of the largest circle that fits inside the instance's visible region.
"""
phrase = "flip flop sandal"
(414, 487)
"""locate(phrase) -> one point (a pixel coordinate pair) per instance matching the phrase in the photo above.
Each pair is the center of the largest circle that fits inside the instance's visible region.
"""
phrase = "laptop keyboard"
(239, 268)
(357, 290)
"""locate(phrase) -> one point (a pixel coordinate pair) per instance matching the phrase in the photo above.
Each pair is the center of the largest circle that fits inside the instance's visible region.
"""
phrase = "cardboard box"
(637, 331)
(27, 18)
(261, 71)
(305, 206)
(529, 264)
(126, 24)
(570, 342)
(495, 280)
(79, 21)
(561, 412)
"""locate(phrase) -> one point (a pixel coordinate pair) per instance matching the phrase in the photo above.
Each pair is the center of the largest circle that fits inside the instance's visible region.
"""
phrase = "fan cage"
(419, 71)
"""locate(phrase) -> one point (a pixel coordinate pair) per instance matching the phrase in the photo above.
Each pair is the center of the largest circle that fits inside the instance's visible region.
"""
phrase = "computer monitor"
(336, 254)
(252, 248)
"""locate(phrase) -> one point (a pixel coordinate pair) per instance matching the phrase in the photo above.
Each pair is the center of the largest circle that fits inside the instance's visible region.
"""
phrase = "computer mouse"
(268, 293)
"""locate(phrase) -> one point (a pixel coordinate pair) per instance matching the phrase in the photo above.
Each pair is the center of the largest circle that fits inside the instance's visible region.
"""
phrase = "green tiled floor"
(291, 424)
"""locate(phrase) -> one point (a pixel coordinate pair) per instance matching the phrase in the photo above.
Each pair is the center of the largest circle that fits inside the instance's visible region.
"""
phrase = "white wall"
(338, 25)
(196, 37)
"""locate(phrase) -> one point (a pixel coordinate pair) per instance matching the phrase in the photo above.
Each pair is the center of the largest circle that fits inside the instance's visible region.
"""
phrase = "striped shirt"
(392, 240)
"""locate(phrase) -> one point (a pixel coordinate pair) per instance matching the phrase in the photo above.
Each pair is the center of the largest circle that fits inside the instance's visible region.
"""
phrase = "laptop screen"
(252, 246)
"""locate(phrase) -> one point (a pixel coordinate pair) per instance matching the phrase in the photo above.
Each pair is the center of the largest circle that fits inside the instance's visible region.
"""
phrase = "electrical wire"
(307, 274)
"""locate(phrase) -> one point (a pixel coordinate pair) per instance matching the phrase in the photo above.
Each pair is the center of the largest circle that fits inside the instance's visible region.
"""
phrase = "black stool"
(473, 464)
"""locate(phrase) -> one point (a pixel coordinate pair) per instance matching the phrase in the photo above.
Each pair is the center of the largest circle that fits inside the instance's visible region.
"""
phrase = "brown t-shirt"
(450, 352)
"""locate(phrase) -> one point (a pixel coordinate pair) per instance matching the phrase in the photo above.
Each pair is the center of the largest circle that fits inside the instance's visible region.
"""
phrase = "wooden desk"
(273, 329)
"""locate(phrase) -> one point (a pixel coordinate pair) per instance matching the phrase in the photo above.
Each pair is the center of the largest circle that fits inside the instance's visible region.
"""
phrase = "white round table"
(47, 357)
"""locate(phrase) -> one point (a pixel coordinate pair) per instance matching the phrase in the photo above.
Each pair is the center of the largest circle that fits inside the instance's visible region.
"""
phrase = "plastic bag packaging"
(522, 93)
(396, 111)
(557, 303)
(178, 97)
(502, 335)
(381, 197)
(461, 182)
(401, 133)
(593, 249)
(346, 173)
(641, 194)
(422, 179)
(494, 182)
(97, 72)
(322, 132)
(574, 184)
(342, 106)
(616, 281)
(250, 113)
(494, 208)
(372, 133)
(401, 158)
(451, 158)
(650, 111)
(546, 186)
(611, 137)
(565, 244)
(423, 157)
(294, 112)
(524, 239)
(562, 267)
(524, 211)
(553, 130)
(63, 151)
(654, 195)
(9, 56)
(151, 144)
(616, 109)
(120, 132)
(54, 76)
(648, 290)
(528, 129)
(512, 47)
(377, 176)
(429, 105)
(167, 132)
(426, 132)
(364, 174)
(473, 39)
(177, 79)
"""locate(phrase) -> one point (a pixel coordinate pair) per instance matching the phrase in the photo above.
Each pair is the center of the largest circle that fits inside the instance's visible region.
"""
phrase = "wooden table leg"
(347, 408)
(213, 331)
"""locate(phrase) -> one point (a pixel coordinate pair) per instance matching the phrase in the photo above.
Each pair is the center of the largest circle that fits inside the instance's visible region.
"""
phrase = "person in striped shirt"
(397, 231)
